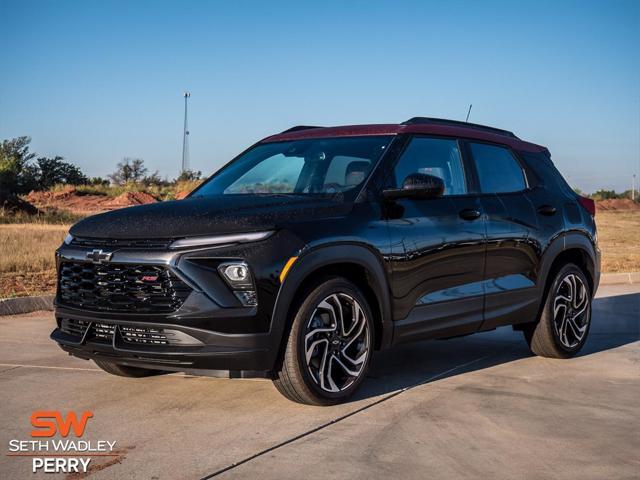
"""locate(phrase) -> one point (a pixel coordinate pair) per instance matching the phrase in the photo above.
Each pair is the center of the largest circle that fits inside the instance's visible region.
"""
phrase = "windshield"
(320, 166)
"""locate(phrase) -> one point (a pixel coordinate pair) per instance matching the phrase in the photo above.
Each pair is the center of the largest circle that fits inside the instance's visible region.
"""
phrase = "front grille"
(103, 332)
(120, 287)
(145, 244)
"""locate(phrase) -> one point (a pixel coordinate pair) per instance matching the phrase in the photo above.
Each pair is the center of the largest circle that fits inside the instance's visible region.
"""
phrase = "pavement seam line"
(338, 419)
(8, 369)
(48, 367)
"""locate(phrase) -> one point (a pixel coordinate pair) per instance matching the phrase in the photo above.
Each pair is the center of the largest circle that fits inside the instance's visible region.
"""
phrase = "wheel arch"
(574, 248)
(357, 263)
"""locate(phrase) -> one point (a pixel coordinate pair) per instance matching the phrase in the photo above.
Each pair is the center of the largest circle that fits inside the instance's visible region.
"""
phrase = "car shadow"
(615, 322)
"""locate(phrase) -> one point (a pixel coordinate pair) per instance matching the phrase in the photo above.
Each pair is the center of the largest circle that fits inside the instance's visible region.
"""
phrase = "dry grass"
(27, 265)
(619, 239)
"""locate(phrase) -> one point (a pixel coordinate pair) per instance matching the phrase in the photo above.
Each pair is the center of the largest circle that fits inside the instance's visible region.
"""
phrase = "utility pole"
(633, 187)
(185, 136)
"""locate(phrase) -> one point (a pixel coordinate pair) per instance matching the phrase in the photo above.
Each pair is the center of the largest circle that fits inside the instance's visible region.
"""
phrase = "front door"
(437, 246)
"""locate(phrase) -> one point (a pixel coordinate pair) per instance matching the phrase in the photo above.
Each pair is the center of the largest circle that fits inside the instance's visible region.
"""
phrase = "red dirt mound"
(71, 200)
(128, 199)
(182, 194)
(617, 204)
(45, 198)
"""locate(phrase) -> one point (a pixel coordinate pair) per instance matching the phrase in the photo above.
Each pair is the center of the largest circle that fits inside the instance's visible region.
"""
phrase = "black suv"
(317, 246)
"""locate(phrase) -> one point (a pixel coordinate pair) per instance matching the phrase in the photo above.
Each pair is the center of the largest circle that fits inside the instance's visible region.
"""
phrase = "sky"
(97, 81)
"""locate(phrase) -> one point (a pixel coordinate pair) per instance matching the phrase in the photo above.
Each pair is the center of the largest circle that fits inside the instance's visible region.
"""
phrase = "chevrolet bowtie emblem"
(98, 256)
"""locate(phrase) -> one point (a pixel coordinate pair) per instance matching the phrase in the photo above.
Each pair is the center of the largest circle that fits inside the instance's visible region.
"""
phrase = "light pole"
(185, 136)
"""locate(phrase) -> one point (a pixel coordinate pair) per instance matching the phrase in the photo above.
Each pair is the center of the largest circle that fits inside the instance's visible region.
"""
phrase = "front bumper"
(187, 348)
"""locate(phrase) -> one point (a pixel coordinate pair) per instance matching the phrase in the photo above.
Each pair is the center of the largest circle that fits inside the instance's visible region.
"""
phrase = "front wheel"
(566, 316)
(330, 345)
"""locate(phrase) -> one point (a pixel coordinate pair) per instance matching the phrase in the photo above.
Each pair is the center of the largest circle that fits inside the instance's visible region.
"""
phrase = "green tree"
(16, 173)
(129, 171)
(605, 194)
(55, 170)
(154, 180)
(98, 181)
(189, 176)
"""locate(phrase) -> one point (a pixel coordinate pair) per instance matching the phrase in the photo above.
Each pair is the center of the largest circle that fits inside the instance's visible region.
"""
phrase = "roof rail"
(299, 127)
(457, 123)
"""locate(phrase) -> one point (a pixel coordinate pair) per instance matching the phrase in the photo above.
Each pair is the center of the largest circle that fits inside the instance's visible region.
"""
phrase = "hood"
(209, 215)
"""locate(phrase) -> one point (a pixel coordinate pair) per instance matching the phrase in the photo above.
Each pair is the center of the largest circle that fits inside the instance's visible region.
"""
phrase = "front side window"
(498, 170)
(434, 156)
(322, 166)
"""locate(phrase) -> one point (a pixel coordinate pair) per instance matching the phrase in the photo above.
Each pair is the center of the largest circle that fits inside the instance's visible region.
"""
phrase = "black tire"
(299, 380)
(544, 337)
(126, 371)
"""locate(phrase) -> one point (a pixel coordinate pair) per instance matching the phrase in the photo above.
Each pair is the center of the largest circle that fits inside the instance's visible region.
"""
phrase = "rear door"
(513, 248)
(437, 245)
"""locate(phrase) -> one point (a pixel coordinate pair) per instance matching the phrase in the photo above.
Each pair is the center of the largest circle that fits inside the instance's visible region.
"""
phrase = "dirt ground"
(617, 204)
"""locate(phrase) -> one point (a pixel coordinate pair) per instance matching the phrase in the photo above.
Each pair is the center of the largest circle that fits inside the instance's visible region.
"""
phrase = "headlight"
(68, 239)
(220, 239)
(238, 277)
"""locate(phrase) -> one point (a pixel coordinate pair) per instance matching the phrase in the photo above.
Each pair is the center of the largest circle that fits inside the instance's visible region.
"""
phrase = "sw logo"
(48, 423)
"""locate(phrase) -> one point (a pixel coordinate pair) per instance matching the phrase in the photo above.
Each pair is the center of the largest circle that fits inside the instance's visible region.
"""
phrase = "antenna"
(469, 112)
(185, 136)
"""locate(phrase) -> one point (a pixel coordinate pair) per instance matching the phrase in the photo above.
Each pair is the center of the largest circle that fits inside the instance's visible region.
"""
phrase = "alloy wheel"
(337, 342)
(570, 311)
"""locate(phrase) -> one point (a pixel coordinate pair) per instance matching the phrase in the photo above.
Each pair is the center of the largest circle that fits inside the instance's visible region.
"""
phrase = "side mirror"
(417, 185)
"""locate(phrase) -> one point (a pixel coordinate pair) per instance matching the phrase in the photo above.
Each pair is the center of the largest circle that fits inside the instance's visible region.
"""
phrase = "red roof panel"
(395, 129)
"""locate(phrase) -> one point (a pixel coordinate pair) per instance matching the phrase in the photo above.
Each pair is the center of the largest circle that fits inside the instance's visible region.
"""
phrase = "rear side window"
(498, 170)
(545, 170)
(433, 156)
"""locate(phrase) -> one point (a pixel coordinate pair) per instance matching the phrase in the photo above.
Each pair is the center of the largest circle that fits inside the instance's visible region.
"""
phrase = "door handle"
(546, 210)
(469, 214)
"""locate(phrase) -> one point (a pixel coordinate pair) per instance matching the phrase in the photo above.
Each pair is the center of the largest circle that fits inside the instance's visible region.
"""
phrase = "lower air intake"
(103, 332)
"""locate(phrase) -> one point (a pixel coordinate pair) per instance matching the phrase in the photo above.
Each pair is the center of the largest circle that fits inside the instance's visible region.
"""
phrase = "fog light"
(237, 275)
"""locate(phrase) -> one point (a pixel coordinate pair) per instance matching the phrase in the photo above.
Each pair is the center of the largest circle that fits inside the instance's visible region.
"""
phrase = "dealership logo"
(47, 423)
(68, 453)
(99, 256)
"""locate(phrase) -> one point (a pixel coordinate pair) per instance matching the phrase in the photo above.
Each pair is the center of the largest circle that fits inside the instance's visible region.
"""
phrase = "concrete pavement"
(471, 407)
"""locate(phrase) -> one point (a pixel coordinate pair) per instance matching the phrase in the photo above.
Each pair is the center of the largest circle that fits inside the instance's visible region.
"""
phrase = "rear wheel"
(125, 370)
(330, 345)
(566, 316)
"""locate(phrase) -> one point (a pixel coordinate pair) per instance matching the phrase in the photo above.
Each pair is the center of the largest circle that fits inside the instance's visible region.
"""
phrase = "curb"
(14, 306)
(620, 278)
